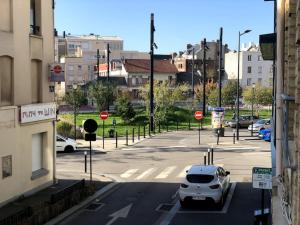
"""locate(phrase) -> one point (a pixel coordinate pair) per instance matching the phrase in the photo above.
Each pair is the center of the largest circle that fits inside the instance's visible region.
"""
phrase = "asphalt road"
(149, 175)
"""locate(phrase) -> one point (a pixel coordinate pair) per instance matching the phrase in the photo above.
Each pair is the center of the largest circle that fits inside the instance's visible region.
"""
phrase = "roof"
(143, 66)
(202, 169)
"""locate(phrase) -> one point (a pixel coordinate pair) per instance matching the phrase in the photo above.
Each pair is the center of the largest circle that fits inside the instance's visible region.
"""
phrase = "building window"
(35, 17)
(36, 71)
(259, 80)
(37, 152)
(249, 57)
(6, 72)
(249, 69)
(6, 18)
(6, 166)
(259, 58)
(260, 69)
(133, 81)
(248, 81)
(79, 68)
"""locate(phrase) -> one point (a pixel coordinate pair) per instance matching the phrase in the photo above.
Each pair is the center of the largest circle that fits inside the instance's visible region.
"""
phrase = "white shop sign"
(37, 112)
(262, 178)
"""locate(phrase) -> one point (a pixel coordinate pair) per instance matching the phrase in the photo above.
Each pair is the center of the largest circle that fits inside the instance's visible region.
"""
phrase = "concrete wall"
(15, 138)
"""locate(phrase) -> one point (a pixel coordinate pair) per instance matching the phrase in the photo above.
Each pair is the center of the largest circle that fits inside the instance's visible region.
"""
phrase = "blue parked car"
(265, 134)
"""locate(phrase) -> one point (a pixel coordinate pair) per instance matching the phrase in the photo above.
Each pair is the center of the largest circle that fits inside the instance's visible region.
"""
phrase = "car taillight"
(216, 186)
(184, 185)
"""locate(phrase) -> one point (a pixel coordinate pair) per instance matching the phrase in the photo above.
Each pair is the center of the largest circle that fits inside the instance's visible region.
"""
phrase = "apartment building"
(253, 69)
(27, 111)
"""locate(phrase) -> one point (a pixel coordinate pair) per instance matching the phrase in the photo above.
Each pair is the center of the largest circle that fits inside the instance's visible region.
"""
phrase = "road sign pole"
(91, 178)
(199, 132)
(262, 203)
(103, 135)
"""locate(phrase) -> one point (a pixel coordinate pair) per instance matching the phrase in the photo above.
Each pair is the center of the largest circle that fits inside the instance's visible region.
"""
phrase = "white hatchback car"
(65, 144)
(204, 183)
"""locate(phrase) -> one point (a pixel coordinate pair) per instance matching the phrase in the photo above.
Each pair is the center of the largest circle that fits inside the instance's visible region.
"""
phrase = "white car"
(65, 144)
(204, 183)
(260, 124)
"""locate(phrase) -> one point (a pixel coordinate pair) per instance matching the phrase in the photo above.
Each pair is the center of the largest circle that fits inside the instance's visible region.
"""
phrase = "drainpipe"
(279, 84)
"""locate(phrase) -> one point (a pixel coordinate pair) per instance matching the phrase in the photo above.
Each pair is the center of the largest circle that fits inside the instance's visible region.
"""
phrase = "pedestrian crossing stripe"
(129, 173)
(145, 174)
(166, 172)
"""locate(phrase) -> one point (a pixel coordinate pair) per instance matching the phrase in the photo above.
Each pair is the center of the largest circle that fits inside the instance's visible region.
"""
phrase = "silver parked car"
(260, 125)
(244, 121)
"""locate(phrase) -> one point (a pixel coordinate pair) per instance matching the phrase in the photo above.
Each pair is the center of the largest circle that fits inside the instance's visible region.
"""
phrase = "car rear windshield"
(199, 178)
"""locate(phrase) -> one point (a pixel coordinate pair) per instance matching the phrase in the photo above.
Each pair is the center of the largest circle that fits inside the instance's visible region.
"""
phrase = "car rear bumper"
(185, 195)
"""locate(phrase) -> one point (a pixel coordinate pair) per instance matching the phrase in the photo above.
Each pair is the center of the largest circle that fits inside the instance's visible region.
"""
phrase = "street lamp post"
(193, 66)
(238, 87)
(74, 101)
(253, 86)
(108, 70)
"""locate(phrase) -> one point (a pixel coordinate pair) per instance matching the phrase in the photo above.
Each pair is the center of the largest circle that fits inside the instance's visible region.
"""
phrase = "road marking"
(122, 213)
(183, 172)
(166, 172)
(176, 146)
(128, 173)
(145, 174)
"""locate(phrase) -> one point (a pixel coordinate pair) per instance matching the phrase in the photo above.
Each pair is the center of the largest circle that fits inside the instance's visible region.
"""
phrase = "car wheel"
(183, 203)
(69, 148)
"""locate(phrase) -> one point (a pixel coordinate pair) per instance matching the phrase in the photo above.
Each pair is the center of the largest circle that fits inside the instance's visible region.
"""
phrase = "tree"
(102, 92)
(164, 97)
(210, 86)
(213, 97)
(229, 93)
(124, 107)
(76, 98)
(260, 96)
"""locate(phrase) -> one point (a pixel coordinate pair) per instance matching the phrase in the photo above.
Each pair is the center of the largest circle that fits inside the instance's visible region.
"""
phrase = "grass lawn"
(177, 117)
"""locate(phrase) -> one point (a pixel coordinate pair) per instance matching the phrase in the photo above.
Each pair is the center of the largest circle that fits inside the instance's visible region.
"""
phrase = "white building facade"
(253, 69)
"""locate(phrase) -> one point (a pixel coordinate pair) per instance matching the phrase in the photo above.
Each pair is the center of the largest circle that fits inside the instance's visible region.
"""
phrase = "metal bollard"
(233, 138)
(158, 126)
(116, 139)
(132, 135)
(139, 132)
(153, 128)
(208, 157)
(144, 131)
(212, 156)
(218, 137)
(204, 158)
(127, 137)
(85, 161)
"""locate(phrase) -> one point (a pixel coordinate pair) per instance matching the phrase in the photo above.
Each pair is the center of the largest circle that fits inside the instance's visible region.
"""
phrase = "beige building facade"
(27, 111)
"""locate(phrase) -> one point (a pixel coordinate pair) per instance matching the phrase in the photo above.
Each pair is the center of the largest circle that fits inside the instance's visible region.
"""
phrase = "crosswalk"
(138, 174)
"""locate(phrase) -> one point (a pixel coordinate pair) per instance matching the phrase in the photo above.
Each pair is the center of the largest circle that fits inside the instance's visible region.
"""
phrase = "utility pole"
(204, 76)
(152, 29)
(193, 66)
(98, 58)
(220, 67)
(108, 86)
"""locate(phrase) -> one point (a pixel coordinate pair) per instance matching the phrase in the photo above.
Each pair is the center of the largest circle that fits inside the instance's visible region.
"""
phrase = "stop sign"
(198, 115)
(104, 115)
(57, 69)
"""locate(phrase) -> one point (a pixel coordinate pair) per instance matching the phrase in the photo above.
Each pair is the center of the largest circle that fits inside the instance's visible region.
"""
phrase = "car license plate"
(198, 198)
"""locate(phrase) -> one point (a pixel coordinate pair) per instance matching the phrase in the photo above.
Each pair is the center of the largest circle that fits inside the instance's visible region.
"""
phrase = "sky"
(177, 22)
